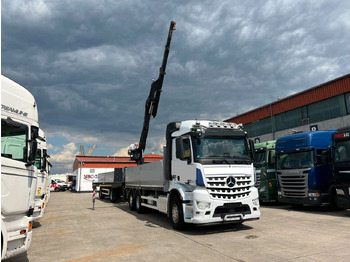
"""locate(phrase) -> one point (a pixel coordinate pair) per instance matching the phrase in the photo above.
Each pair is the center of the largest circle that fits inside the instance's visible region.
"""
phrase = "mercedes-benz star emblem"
(230, 181)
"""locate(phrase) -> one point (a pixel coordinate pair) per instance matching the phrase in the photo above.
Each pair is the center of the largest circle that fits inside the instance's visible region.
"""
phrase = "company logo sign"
(13, 110)
(230, 181)
(90, 177)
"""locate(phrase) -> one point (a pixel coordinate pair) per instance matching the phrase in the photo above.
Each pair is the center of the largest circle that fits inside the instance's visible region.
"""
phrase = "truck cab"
(304, 168)
(19, 131)
(42, 166)
(341, 166)
(265, 169)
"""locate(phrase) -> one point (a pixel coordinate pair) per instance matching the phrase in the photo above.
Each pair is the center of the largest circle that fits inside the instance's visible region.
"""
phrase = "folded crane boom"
(151, 105)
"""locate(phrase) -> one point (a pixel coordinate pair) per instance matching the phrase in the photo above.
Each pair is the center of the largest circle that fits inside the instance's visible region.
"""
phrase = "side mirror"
(180, 152)
(324, 157)
(33, 152)
(252, 150)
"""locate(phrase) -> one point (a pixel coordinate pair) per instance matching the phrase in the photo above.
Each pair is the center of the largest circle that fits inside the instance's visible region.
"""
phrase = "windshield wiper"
(220, 161)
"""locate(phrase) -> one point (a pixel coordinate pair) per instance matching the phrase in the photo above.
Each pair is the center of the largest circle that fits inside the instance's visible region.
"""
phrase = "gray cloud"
(90, 63)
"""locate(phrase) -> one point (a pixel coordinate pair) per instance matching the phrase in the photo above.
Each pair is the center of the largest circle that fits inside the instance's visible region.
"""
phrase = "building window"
(347, 101)
(288, 119)
(260, 127)
(327, 109)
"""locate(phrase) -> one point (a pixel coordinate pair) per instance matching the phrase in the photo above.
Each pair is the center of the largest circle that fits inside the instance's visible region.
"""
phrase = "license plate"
(232, 218)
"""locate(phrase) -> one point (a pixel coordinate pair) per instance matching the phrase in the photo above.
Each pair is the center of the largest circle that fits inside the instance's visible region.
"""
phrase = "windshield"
(342, 151)
(38, 159)
(295, 160)
(220, 148)
(14, 141)
(260, 156)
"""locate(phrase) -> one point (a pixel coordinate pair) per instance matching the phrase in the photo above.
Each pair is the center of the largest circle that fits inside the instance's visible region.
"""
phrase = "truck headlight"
(256, 202)
(203, 205)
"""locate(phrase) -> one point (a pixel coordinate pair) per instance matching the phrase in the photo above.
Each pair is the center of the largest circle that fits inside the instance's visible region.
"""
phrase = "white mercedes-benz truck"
(42, 187)
(207, 176)
(19, 131)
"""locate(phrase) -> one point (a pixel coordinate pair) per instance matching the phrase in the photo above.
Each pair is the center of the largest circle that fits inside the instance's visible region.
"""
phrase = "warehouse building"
(323, 107)
(87, 168)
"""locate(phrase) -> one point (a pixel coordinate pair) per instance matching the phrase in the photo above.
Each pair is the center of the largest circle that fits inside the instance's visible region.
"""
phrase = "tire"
(113, 196)
(56, 189)
(100, 195)
(138, 201)
(333, 201)
(176, 214)
(131, 200)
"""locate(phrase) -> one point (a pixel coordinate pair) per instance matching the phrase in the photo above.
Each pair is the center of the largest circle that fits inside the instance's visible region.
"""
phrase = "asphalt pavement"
(71, 231)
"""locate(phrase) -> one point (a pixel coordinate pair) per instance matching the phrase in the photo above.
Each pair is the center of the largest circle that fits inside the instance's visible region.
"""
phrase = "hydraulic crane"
(152, 102)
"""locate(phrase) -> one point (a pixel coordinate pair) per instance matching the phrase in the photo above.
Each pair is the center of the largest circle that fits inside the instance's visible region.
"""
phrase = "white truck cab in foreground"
(43, 177)
(207, 176)
(19, 131)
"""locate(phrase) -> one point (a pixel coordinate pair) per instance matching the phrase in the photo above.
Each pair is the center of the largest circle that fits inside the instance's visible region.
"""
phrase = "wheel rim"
(175, 213)
(131, 200)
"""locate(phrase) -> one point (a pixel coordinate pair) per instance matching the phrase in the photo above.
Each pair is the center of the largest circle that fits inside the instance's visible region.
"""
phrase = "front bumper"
(201, 209)
(314, 198)
(38, 209)
(17, 235)
(343, 196)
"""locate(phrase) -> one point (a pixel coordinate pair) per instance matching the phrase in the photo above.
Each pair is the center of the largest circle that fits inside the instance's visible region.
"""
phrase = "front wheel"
(176, 214)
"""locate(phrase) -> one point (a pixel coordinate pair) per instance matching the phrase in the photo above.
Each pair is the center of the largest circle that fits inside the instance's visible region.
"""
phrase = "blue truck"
(341, 166)
(304, 169)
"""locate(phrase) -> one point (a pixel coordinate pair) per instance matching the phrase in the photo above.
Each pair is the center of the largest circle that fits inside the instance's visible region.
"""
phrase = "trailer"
(304, 169)
(110, 184)
(19, 133)
(341, 166)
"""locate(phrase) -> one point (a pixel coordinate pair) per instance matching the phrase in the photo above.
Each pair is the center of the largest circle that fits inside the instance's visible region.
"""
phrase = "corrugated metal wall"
(327, 90)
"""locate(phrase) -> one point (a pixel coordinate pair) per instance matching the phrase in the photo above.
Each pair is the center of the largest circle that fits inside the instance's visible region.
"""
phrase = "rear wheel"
(138, 201)
(131, 200)
(101, 196)
(176, 214)
(113, 196)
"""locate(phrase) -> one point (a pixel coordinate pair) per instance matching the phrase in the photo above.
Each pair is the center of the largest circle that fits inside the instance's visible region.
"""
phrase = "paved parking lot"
(71, 231)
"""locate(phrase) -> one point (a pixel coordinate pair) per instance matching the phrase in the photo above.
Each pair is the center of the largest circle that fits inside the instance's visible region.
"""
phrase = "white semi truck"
(207, 176)
(42, 187)
(19, 131)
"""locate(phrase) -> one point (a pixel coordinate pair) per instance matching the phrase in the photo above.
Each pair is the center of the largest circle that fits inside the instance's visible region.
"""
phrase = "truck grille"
(257, 178)
(293, 185)
(218, 187)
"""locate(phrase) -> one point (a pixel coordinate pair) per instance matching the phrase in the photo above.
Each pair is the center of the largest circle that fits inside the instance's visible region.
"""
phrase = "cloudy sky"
(90, 64)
